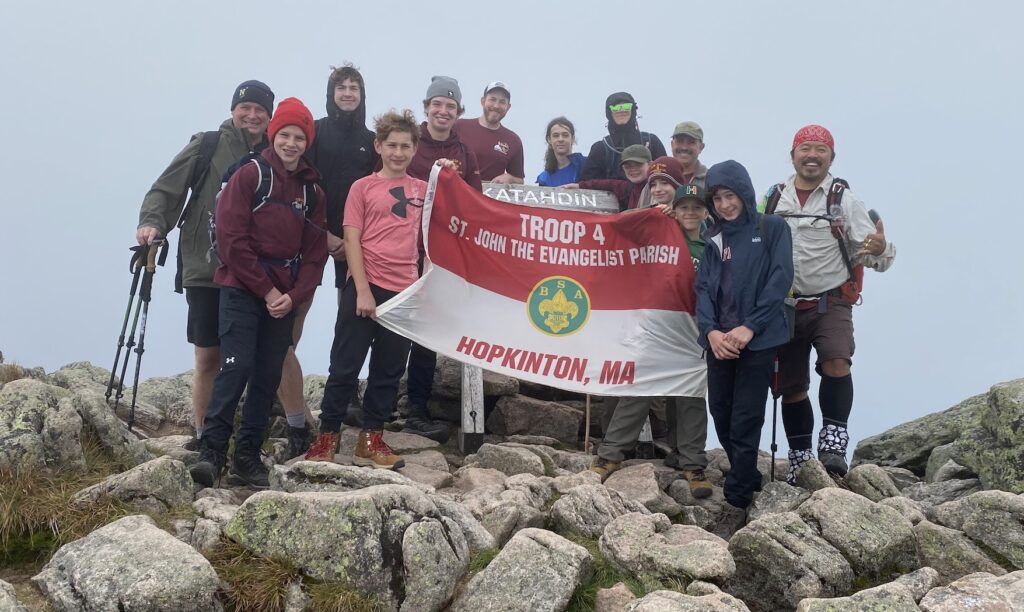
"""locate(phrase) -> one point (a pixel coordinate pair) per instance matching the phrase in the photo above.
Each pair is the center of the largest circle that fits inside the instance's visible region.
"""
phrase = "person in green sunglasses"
(605, 159)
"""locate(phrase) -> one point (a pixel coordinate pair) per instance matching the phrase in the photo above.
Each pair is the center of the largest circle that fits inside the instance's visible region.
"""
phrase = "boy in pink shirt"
(381, 227)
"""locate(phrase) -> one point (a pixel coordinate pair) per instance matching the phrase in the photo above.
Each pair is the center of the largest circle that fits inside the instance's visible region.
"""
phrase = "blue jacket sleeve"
(707, 317)
(779, 279)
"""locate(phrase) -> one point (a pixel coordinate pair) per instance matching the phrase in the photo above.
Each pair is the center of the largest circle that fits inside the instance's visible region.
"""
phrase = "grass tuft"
(10, 372)
(335, 597)
(254, 582)
(479, 560)
(35, 513)
(606, 576)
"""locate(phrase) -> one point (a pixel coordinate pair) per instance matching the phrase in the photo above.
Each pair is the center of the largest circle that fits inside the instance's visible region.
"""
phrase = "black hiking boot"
(247, 469)
(209, 468)
(298, 441)
(427, 427)
(730, 520)
(834, 463)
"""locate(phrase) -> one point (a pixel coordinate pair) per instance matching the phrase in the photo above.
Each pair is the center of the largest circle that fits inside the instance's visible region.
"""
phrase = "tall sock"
(835, 394)
(798, 419)
(296, 420)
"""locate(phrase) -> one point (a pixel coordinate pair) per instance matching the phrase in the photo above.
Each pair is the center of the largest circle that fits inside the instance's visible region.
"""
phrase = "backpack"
(200, 170)
(849, 291)
(610, 151)
(261, 197)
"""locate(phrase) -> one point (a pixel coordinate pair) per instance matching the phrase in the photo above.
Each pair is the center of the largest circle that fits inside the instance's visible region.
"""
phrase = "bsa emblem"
(502, 147)
(558, 306)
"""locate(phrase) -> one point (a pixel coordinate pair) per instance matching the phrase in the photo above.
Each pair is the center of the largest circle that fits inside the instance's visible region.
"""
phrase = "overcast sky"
(924, 100)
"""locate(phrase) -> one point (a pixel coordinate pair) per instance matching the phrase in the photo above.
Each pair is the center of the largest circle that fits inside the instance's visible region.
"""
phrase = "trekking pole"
(145, 293)
(135, 267)
(775, 411)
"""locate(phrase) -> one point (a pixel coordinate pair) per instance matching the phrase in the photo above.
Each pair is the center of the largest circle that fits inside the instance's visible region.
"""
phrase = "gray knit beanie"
(446, 87)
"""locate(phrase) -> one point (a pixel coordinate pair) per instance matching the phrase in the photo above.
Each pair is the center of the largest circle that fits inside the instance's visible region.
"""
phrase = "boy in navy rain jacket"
(743, 280)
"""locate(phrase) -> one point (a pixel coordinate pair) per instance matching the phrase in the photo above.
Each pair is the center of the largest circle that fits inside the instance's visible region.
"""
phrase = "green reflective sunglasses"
(624, 106)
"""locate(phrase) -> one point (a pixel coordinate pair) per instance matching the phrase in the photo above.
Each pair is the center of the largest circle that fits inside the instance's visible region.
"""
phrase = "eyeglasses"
(624, 106)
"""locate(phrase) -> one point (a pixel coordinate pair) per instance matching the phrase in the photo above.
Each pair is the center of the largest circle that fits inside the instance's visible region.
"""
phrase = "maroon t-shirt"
(497, 151)
(802, 195)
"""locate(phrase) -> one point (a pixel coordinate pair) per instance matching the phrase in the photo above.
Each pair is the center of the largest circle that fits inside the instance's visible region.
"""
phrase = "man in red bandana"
(830, 243)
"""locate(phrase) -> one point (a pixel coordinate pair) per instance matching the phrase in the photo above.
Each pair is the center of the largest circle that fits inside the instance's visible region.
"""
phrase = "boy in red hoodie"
(272, 254)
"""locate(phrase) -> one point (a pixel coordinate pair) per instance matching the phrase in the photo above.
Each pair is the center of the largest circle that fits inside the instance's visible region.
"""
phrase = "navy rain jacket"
(762, 264)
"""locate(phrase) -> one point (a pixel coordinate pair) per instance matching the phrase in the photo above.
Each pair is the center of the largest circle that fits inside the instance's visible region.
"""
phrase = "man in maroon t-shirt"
(498, 149)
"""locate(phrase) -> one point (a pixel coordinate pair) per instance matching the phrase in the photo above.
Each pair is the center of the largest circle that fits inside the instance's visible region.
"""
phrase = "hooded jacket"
(430, 150)
(605, 158)
(248, 238)
(760, 247)
(165, 200)
(342, 153)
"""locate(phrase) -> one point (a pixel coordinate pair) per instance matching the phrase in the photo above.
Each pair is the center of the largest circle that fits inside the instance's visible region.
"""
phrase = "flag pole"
(586, 430)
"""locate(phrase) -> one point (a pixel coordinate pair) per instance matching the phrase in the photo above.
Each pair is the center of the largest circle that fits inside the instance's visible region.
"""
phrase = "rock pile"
(918, 524)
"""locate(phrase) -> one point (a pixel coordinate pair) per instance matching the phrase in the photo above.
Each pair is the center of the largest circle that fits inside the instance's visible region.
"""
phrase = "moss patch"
(606, 576)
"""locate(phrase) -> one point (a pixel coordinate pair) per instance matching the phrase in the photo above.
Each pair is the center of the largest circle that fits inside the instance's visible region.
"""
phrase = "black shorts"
(203, 313)
(831, 335)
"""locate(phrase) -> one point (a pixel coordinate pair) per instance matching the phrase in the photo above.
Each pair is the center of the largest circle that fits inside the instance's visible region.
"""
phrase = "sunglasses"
(624, 106)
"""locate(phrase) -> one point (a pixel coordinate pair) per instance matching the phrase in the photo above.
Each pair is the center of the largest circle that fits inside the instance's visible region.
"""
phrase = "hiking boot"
(325, 447)
(372, 451)
(730, 520)
(209, 468)
(604, 467)
(247, 469)
(700, 486)
(427, 427)
(192, 444)
(832, 442)
(834, 463)
(298, 441)
(797, 458)
(672, 460)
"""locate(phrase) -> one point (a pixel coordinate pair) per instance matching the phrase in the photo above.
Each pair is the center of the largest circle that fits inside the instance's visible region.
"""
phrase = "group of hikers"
(265, 200)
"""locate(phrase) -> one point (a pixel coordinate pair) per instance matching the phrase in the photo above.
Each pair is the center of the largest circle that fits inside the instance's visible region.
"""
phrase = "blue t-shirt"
(562, 176)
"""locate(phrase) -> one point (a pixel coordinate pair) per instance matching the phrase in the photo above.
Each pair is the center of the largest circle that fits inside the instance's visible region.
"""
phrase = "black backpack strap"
(835, 198)
(200, 170)
(774, 195)
(266, 182)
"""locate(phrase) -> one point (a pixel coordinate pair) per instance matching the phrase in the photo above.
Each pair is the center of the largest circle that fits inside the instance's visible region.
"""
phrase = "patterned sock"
(836, 397)
(797, 458)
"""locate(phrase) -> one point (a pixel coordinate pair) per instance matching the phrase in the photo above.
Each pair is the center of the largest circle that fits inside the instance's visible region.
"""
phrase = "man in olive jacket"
(164, 208)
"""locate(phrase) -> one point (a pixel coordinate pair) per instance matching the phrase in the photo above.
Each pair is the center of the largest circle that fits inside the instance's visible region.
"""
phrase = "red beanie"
(667, 168)
(291, 111)
(813, 133)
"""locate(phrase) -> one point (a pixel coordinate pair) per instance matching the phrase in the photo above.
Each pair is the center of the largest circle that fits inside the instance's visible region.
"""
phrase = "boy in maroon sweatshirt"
(272, 254)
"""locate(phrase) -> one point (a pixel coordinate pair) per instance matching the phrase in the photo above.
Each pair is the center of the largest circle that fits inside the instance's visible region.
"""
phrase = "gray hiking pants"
(687, 419)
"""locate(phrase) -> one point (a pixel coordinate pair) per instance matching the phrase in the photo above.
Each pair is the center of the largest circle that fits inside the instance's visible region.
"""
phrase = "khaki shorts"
(831, 335)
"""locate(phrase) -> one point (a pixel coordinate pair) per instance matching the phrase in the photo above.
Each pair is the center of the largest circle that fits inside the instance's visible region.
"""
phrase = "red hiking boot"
(325, 447)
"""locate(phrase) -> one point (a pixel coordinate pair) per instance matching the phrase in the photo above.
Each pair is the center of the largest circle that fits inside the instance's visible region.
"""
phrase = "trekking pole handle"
(151, 256)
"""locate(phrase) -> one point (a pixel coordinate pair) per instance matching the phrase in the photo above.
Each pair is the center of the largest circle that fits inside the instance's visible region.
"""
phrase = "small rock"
(563, 484)
(309, 476)
(939, 456)
(435, 557)
(913, 511)
(776, 497)
(206, 535)
(518, 414)
(890, 597)
(672, 601)
(951, 470)
(471, 478)
(9, 601)
(587, 509)
(872, 482)
(155, 486)
(509, 460)
(429, 458)
(640, 483)
(526, 439)
(813, 477)
(901, 477)
(39, 430)
(296, 600)
(938, 493)
(536, 571)
(951, 553)
(427, 476)
(173, 447)
(876, 540)
(614, 599)
(780, 560)
(130, 564)
(698, 588)
(662, 473)
(920, 581)
(215, 510)
(993, 518)
(477, 536)
(650, 546)
(980, 591)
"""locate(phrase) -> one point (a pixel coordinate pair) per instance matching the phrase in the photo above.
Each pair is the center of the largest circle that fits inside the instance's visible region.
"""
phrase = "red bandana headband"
(813, 133)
